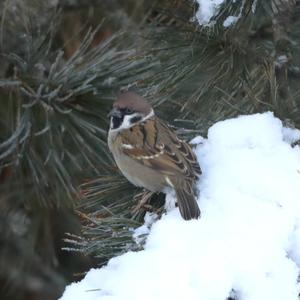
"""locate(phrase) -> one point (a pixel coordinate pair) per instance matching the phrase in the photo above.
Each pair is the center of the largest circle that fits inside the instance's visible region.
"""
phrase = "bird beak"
(115, 112)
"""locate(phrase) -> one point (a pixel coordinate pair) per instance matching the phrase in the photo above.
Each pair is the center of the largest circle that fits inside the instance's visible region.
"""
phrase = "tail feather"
(186, 200)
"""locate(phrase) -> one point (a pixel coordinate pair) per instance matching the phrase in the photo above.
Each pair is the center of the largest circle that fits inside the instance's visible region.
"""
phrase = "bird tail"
(186, 200)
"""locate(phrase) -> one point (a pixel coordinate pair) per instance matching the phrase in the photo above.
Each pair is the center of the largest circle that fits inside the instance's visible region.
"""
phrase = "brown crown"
(133, 101)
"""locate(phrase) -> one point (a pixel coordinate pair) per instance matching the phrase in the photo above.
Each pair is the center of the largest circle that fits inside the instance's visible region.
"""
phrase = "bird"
(150, 154)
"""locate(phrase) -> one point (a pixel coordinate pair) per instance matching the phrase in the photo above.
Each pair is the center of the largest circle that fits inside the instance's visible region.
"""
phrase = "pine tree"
(62, 65)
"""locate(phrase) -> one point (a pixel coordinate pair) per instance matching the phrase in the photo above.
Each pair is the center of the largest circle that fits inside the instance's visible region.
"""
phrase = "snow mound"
(246, 244)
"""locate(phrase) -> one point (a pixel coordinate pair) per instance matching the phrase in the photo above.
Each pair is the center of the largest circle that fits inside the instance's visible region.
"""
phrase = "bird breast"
(135, 172)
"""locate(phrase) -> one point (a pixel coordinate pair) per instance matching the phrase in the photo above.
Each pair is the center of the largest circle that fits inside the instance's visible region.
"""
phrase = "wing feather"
(157, 146)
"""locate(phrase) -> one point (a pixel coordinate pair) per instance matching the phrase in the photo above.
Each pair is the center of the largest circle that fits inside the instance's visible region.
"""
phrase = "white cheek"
(125, 124)
(126, 121)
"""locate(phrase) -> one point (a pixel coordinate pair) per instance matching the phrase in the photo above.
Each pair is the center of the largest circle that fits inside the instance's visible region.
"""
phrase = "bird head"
(128, 110)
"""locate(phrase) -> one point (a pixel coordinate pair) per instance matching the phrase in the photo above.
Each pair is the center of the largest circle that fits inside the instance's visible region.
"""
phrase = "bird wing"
(155, 145)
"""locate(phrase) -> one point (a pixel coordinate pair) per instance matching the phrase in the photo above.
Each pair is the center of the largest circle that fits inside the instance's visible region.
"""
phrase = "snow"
(230, 20)
(207, 9)
(141, 232)
(197, 140)
(291, 135)
(247, 242)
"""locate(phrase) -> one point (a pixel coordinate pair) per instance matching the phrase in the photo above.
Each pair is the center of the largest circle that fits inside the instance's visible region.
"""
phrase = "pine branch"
(53, 124)
(59, 107)
(206, 75)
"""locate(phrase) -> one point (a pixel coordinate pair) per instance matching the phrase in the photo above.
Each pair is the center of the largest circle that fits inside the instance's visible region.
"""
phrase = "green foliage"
(245, 68)
(53, 132)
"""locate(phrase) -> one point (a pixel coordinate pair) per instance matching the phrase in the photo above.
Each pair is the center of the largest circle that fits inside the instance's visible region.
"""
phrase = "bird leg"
(143, 199)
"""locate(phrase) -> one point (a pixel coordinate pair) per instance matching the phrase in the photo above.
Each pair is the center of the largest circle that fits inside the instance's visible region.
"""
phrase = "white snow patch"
(141, 232)
(207, 9)
(230, 21)
(247, 240)
(291, 135)
(197, 140)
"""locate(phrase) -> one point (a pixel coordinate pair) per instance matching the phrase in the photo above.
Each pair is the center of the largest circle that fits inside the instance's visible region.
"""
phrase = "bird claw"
(143, 198)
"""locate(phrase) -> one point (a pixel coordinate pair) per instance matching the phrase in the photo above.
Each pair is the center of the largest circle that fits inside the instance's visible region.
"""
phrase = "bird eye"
(128, 111)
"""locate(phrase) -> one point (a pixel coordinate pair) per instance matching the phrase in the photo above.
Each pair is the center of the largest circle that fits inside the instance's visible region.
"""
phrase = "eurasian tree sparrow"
(149, 153)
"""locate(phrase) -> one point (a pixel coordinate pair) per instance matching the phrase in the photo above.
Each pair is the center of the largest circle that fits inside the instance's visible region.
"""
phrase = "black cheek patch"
(135, 119)
(116, 122)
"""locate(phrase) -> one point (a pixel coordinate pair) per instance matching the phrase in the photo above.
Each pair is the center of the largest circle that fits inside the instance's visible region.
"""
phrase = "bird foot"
(143, 198)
